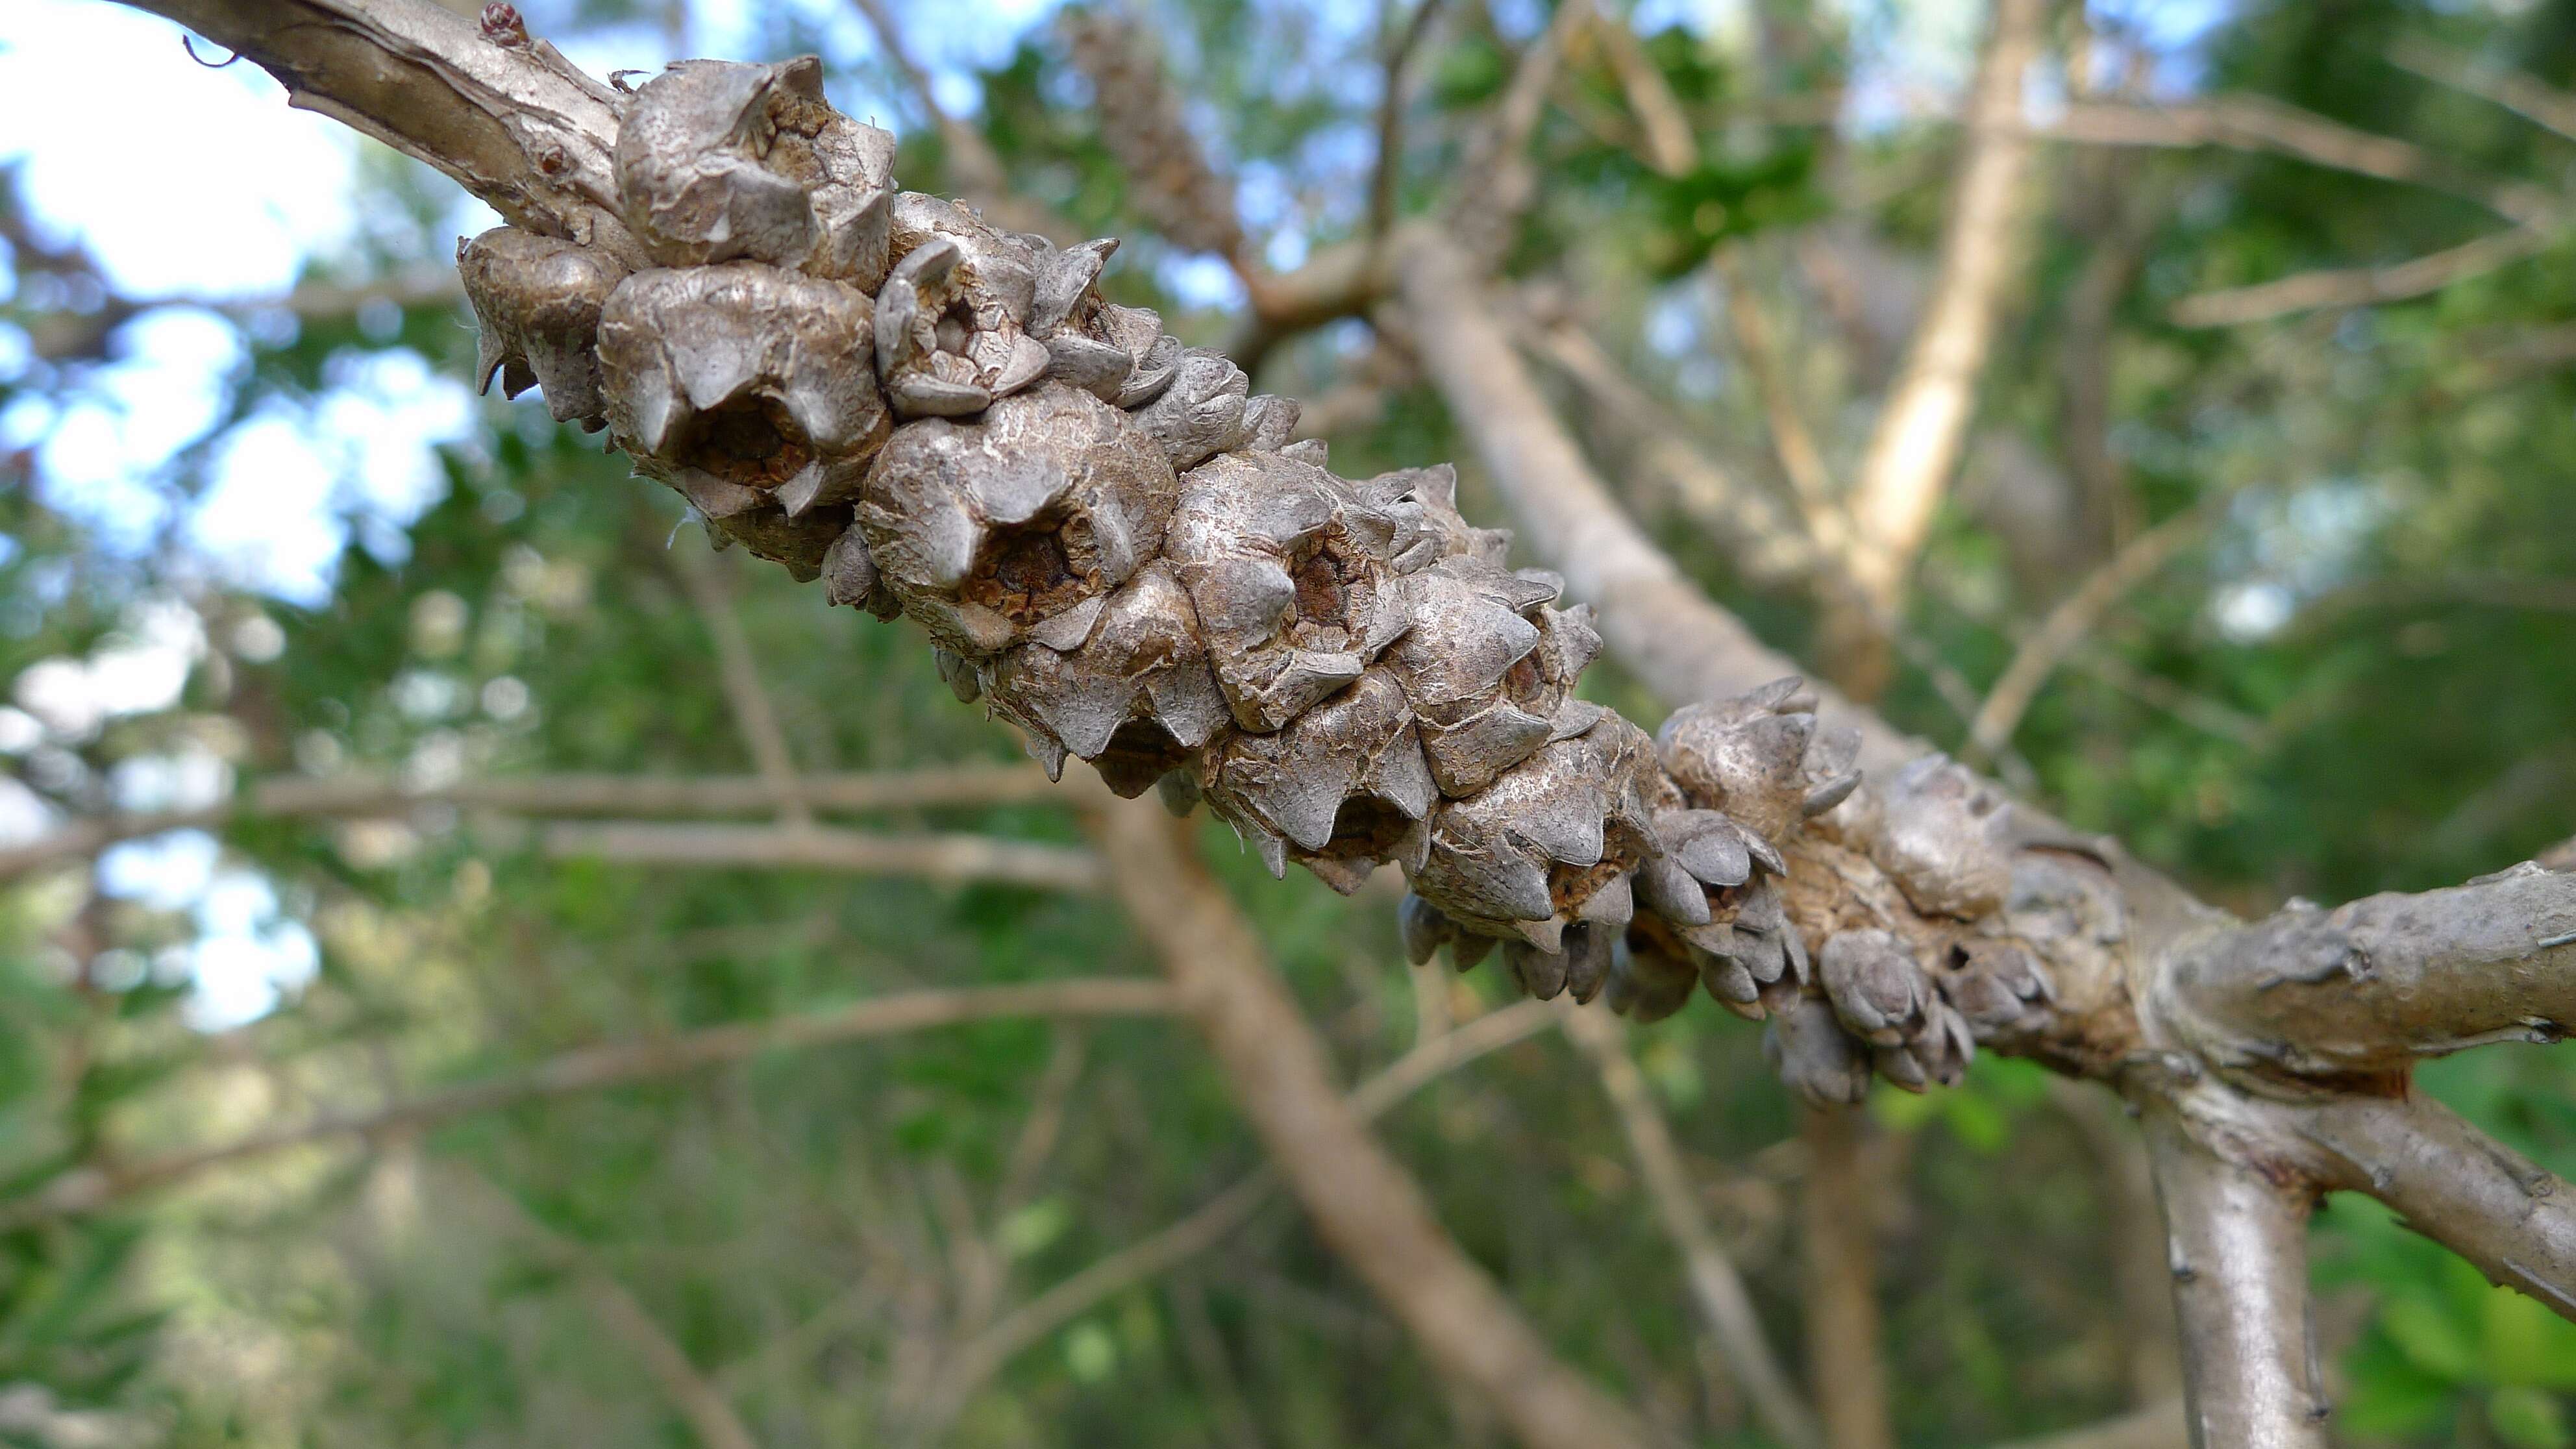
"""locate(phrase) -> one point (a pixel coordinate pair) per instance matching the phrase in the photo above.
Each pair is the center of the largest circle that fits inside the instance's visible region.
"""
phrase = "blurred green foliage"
(2364, 681)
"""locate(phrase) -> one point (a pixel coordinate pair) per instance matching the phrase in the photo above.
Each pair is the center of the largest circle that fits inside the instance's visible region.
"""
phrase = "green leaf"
(2528, 1419)
(1975, 1119)
(2525, 1344)
(1033, 1227)
(2390, 1396)
(1090, 1352)
(1902, 1111)
(2431, 1338)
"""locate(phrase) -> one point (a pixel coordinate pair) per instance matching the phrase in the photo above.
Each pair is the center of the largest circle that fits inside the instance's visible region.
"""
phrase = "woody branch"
(1941, 911)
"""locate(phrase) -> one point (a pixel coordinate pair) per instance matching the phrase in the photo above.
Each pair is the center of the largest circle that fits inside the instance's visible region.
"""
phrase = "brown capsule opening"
(1026, 575)
(751, 441)
(1324, 571)
(1569, 886)
(1366, 828)
(1140, 753)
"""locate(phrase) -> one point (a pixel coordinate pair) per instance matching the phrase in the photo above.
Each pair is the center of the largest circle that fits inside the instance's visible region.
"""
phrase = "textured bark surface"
(1116, 546)
(2372, 985)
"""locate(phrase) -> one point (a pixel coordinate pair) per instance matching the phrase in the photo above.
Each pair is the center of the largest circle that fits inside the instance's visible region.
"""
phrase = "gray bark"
(2237, 1244)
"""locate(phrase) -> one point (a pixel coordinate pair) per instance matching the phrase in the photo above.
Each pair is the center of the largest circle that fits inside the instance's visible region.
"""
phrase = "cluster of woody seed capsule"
(1118, 548)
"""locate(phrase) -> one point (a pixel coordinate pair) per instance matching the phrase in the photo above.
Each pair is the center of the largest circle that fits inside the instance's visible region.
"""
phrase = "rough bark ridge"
(1114, 545)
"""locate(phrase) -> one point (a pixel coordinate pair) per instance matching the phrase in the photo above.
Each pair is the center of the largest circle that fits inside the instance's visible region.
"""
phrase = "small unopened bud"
(503, 26)
(1874, 985)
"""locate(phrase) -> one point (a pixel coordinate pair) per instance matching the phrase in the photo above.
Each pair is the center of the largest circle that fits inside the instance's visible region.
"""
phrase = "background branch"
(1656, 620)
(971, 161)
(1390, 116)
(951, 859)
(1758, 536)
(2543, 105)
(594, 1068)
(1915, 445)
(1030, 1324)
(2359, 286)
(1715, 1284)
(739, 669)
(710, 1414)
(364, 797)
(2073, 620)
(2460, 1187)
(1361, 1202)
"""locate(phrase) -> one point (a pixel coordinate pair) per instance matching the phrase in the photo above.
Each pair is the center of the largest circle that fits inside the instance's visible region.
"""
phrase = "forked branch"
(2238, 1251)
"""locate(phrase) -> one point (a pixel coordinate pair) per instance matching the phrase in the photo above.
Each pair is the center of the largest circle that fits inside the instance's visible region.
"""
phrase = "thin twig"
(1487, 214)
(2107, 667)
(587, 1069)
(2541, 104)
(1390, 117)
(71, 336)
(2141, 1305)
(954, 859)
(2359, 286)
(1671, 147)
(975, 167)
(2074, 619)
(1218, 1384)
(1810, 481)
(1044, 1125)
(971, 1366)
(2262, 124)
(2538, 594)
(739, 668)
(369, 797)
(1680, 646)
(1921, 427)
(1763, 541)
(709, 1413)
(1714, 1281)
(2210, 716)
